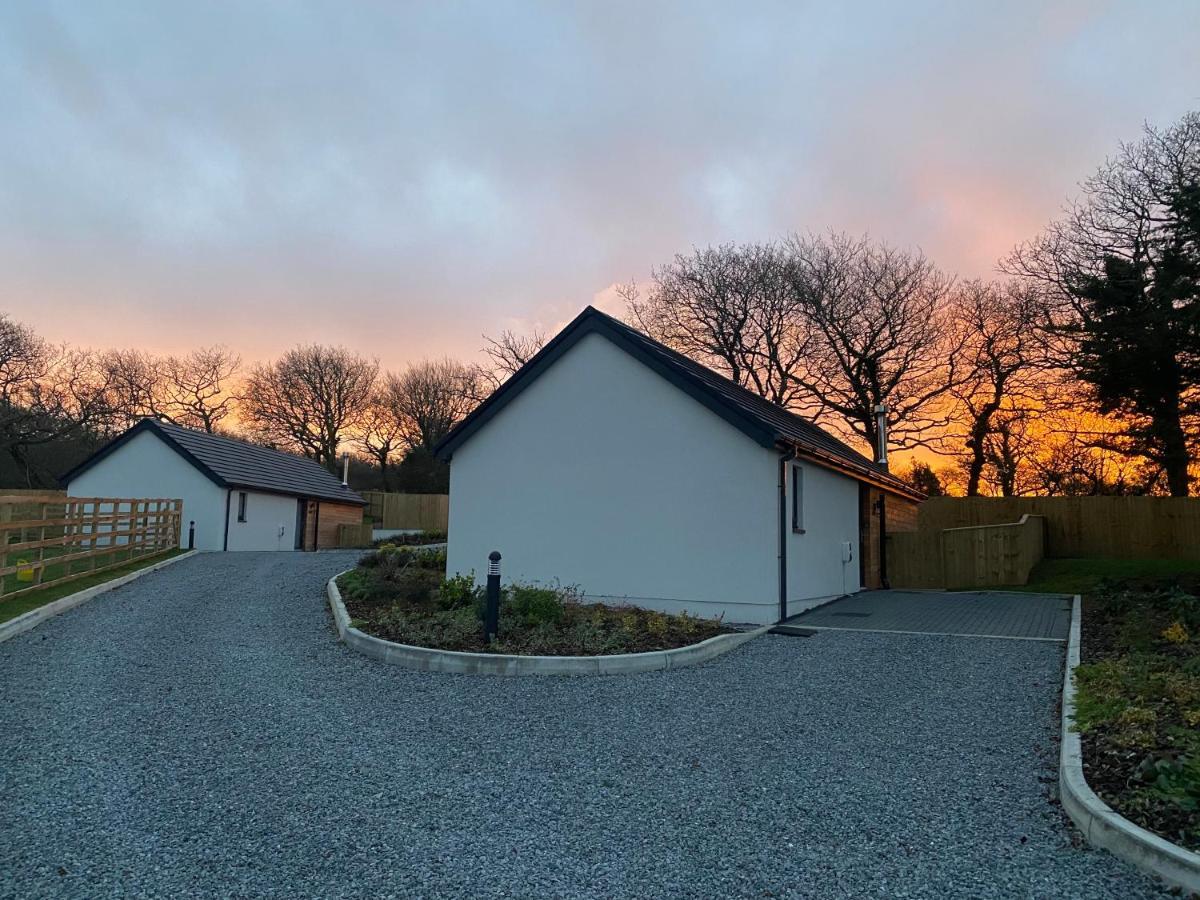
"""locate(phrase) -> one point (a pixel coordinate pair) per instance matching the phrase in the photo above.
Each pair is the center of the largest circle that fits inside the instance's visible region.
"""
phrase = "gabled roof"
(765, 422)
(230, 463)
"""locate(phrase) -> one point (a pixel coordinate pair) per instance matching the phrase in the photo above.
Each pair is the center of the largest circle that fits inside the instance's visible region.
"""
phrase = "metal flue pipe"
(881, 412)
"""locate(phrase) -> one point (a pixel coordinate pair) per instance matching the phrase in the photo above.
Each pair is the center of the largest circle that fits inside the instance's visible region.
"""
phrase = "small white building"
(616, 464)
(238, 496)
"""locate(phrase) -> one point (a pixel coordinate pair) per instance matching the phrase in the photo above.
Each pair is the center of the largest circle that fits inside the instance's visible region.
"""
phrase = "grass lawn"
(14, 606)
(1081, 576)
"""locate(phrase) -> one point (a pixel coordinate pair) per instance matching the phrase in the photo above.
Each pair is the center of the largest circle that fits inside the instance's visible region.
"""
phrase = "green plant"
(1176, 633)
(1176, 780)
(459, 592)
(533, 605)
(450, 629)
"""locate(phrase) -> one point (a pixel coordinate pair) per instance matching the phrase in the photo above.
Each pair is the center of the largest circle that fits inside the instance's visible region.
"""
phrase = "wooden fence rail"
(52, 541)
(1076, 527)
(430, 512)
(972, 557)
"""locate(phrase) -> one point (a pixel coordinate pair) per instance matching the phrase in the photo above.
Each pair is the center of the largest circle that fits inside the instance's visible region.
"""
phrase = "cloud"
(404, 178)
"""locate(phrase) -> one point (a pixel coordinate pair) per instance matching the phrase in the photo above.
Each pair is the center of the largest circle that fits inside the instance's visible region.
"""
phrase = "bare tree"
(311, 399)
(1003, 385)
(381, 434)
(195, 390)
(48, 393)
(734, 308)
(429, 398)
(510, 351)
(132, 377)
(506, 355)
(884, 333)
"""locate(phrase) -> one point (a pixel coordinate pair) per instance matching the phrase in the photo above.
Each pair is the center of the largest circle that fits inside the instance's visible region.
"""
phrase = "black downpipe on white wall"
(228, 502)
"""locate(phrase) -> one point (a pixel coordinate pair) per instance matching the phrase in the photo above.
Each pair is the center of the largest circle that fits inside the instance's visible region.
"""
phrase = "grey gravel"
(200, 732)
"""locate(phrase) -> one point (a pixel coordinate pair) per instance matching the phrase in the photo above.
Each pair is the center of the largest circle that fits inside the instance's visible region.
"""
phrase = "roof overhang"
(877, 479)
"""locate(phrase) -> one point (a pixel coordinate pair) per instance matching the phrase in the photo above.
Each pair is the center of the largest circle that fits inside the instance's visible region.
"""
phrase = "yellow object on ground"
(24, 570)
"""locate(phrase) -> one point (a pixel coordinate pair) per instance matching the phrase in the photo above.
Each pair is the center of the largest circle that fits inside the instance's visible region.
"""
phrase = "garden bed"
(1138, 702)
(402, 595)
(411, 539)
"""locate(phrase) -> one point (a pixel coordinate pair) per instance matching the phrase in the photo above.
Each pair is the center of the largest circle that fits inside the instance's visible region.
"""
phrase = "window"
(241, 506)
(797, 500)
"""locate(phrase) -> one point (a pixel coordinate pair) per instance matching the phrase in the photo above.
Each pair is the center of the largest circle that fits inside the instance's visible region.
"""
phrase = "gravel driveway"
(200, 732)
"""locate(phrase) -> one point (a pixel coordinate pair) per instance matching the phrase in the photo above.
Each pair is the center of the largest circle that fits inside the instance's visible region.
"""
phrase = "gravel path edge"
(425, 659)
(36, 617)
(1100, 824)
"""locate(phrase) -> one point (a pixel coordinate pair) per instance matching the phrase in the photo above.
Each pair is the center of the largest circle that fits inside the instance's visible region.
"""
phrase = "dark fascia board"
(592, 322)
(120, 440)
(299, 495)
(827, 461)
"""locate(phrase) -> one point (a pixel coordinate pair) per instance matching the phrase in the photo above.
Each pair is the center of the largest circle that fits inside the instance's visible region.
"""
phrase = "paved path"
(200, 733)
(985, 613)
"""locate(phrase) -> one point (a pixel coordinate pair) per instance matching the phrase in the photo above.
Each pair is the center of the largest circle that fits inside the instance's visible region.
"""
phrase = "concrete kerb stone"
(35, 617)
(1102, 826)
(425, 659)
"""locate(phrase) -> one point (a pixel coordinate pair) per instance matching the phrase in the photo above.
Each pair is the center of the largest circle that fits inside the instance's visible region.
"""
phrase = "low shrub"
(436, 628)
(459, 592)
(429, 536)
(535, 606)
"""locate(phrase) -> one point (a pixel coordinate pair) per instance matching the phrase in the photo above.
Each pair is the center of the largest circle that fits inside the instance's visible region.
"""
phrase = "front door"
(301, 522)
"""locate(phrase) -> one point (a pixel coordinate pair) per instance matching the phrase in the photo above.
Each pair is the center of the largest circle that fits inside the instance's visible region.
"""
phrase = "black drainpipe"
(784, 459)
(228, 499)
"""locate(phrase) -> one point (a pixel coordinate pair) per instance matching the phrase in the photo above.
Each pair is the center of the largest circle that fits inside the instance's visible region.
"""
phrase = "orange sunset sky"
(403, 178)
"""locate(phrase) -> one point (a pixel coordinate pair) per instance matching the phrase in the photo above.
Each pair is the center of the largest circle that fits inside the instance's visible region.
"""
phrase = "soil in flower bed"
(401, 595)
(1138, 702)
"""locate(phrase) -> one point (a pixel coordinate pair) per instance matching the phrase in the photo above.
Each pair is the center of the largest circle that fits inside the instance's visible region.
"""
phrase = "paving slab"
(1004, 614)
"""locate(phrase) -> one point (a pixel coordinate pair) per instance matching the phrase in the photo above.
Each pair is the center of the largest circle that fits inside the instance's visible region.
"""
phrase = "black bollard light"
(192, 535)
(491, 614)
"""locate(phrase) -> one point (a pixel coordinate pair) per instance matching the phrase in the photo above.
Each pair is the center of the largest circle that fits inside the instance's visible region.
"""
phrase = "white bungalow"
(614, 463)
(236, 496)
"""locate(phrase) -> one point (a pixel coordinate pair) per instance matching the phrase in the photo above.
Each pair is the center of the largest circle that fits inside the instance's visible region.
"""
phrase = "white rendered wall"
(815, 566)
(603, 474)
(270, 522)
(146, 467)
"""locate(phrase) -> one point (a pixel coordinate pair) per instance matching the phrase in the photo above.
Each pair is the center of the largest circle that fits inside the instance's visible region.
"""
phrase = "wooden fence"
(359, 535)
(973, 557)
(430, 512)
(1120, 527)
(50, 541)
